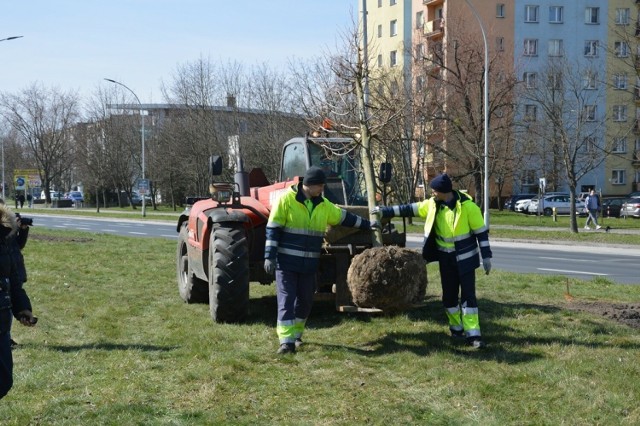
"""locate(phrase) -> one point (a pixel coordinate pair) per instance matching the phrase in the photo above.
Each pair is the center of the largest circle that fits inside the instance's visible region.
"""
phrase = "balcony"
(436, 2)
(434, 28)
(636, 127)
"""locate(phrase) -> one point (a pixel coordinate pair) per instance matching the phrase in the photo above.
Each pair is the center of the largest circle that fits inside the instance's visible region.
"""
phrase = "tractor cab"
(339, 159)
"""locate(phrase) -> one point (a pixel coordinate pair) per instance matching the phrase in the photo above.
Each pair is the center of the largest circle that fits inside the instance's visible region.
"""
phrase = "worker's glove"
(375, 210)
(486, 264)
(269, 266)
(375, 226)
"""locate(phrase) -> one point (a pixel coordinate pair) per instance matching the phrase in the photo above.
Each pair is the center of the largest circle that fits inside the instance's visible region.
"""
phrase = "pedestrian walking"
(592, 206)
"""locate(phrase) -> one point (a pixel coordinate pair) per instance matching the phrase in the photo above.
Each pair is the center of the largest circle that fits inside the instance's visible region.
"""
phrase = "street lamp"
(3, 194)
(486, 115)
(144, 211)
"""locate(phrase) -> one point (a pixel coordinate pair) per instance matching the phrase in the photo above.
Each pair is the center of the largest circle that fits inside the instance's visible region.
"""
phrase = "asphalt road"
(614, 263)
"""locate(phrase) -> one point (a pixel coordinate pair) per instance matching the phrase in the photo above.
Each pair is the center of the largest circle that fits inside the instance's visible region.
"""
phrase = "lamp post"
(144, 211)
(3, 192)
(486, 115)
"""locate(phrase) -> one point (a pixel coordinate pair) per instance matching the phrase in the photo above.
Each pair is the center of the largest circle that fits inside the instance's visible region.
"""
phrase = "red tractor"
(221, 238)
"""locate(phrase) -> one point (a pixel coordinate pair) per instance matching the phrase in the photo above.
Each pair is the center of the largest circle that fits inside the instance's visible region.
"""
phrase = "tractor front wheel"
(228, 273)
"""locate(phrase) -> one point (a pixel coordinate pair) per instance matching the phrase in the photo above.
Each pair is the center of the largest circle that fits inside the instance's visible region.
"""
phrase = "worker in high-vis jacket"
(294, 237)
(456, 237)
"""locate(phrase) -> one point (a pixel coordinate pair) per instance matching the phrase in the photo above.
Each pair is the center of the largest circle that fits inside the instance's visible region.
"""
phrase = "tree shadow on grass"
(505, 344)
(112, 347)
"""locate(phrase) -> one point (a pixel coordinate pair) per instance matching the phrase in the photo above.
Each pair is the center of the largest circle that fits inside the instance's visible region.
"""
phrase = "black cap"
(441, 183)
(314, 176)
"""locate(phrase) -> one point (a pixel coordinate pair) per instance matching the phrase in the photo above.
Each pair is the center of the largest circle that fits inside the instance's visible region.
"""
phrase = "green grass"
(115, 345)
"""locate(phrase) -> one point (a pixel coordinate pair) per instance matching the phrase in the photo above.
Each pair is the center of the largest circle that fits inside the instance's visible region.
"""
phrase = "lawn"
(115, 345)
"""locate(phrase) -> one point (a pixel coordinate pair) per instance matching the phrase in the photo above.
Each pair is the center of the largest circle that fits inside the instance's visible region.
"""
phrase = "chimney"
(231, 101)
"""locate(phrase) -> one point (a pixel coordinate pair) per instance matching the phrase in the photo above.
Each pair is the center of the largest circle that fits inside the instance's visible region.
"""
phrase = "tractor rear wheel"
(192, 289)
(228, 273)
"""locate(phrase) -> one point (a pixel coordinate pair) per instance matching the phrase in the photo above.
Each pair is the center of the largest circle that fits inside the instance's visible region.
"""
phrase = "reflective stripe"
(299, 327)
(484, 243)
(447, 249)
(272, 224)
(467, 255)
(271, 243)
(454, 317)
(298, 231)
(480, 230)
(299, 253)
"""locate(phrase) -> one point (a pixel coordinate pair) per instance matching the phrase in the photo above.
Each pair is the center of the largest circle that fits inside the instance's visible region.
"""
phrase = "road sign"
(143, 186)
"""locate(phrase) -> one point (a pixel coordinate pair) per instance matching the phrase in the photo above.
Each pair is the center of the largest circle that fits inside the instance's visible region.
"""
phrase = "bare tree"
(566, 129)
(44, 118)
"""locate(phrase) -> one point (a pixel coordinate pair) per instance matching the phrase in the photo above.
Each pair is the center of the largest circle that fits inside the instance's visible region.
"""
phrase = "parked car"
(546, 204)
(75, 196)
(510, 203)
(631, 208)
(521, 205)
(611, 206)
(634, 195)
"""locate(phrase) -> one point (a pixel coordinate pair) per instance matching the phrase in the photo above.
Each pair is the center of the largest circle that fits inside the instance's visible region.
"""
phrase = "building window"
(618, 177)
(591, 48)
(621, 48)
(589, 80)
(528, 177)
(530, 13)
(420, 82)
(380, 60)
(619, 145)
(623, 16)
(620, 81)
(392, 2)
(555, 48)
(379, 30)
(393, 28)
(589, 113)
(420, 19)
(500, 10)
(530, 112)
(554, 81)
(393, 58)
(589, 145)
(619, 113)
(379, 3)
(555, 14)
(419, 52)
(500, 44)
(592, 15)
(530, 79)
(530, 47)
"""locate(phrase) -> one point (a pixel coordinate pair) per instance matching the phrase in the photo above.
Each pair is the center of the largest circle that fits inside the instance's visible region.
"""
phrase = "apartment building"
(586, 50)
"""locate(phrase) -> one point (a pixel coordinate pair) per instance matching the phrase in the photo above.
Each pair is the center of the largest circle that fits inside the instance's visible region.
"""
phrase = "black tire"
(548, 211)
(228, 273)
(191, 289)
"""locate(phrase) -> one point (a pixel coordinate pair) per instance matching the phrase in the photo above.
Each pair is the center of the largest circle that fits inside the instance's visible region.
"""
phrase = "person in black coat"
(14, 301)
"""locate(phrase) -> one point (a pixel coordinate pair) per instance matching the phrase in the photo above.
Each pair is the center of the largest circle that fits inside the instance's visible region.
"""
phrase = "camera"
(28, 221)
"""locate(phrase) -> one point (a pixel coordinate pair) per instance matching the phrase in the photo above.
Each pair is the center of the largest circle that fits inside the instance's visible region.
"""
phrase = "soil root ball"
(390, 278)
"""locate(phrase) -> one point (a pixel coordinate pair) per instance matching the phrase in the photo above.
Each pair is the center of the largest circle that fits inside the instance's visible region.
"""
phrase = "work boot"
(287, 348)
(298, 343)
(457, 334)
(475, 342)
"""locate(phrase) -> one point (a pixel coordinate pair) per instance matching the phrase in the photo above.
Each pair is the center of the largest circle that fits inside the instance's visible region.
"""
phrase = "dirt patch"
(623, 313)
(63, 239)
(388, 278)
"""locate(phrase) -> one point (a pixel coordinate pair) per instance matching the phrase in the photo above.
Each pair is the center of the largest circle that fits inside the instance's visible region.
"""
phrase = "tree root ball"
(389, 278)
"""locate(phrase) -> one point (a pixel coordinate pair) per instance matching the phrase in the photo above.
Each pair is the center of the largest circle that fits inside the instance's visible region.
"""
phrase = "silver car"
(631, 208)
(561, 204)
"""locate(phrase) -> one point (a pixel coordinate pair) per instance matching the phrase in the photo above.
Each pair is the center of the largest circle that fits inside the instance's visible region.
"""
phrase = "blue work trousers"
(456, 285)
(295, 294)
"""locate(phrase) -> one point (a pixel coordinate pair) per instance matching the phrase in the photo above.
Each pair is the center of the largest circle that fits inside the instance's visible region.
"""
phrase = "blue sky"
(74, 44)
